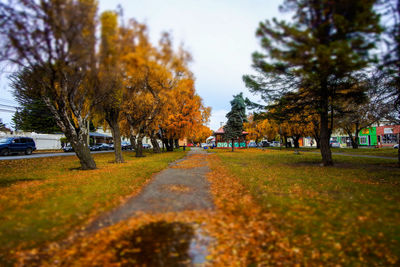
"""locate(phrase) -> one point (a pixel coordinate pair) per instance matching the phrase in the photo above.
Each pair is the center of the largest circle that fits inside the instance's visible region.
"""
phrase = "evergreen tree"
(34, 116)
(236, 117)
(316, 56)
(3, 127)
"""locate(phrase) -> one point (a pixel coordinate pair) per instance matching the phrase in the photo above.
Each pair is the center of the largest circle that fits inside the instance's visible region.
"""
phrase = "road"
(62, 154)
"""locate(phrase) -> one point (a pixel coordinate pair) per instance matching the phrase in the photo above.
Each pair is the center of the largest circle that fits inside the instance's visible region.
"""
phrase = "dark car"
(68, 148)
(146, 146)
(17, 144)
(265, 144)
(126, 146)
(94, 148)
(104, 146)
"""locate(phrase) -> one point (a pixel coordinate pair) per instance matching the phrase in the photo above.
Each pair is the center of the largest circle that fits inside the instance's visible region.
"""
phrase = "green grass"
(385, 152)
(348, 214)
(44, 199)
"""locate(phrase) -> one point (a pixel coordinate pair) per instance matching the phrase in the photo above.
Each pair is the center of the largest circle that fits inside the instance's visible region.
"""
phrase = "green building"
(367, 137)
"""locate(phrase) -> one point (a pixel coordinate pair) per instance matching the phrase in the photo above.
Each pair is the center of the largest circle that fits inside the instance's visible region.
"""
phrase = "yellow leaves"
(337, 246)
(192, 161)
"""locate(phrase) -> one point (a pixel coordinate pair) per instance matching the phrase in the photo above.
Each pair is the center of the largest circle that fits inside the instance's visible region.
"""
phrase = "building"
(220, 141)
(380, 136)
(368, 137)
(99, 138)
(388, 135)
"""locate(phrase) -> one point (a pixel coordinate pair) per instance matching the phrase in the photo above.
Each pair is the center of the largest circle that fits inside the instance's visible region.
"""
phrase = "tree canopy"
(315, 59)
(236, 117)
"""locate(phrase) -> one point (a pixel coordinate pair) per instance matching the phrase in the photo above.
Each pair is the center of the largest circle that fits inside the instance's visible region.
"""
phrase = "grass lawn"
(348, 214)
(384, 152)
(43, 199)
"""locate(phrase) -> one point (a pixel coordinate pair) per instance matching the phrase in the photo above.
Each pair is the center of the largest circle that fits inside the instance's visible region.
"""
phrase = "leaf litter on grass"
(236, 233)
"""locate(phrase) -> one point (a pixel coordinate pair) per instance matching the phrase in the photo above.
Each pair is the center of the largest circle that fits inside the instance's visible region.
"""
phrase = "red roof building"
(221, 142)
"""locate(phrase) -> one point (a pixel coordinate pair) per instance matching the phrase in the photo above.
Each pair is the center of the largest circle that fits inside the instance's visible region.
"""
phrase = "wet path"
(183, 186)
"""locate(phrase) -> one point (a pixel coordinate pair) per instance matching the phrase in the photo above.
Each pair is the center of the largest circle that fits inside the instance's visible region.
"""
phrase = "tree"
(355, 116)
(34, 116)
(316, 56)
(3, 127)
(200, 134)
(110, 78)
(236, 117)
(147, 82)
(391, 59)
(259, 127)
(53, 42)
(186, 114)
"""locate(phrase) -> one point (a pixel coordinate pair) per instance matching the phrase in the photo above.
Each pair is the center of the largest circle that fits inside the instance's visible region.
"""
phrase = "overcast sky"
(220, 34)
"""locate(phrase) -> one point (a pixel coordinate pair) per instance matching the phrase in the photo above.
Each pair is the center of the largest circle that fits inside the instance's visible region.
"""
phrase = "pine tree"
(236, 117)
(3, 127)
(316, 57)
(34, 116)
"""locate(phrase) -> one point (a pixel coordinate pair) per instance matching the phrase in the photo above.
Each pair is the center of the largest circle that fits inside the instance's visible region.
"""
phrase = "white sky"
(220, 34)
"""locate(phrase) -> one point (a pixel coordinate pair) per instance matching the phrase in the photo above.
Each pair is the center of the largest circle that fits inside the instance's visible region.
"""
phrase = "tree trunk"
(132, 139)
(176, 143)
(296, 141)
(286, 141)
(324, 142)
(167, 145)
(156, 146)
(116, 134)
(139, 146)
(356, 139)
(233, 145)
(353, 142)
(398, 149)
(81, 148)
(77, 137)
(318, 143)
(171, 144)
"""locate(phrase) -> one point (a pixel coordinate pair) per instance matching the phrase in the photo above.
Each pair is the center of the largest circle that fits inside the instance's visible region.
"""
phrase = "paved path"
(177, 188)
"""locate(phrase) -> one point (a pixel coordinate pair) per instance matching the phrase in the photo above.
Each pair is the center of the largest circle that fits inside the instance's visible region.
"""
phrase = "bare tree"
(54, 44)
(375, 106)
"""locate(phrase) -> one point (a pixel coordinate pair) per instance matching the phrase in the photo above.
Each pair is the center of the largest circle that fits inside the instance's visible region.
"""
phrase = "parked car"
(126, 146)
(396, 146)
(275, 144)
(68, 148)
(104, 146)
(205, 145)
(334, 144)
(17, 144)
(146, 146)
(252, 144)
(94, 148)
(265, 144)
(190, 144)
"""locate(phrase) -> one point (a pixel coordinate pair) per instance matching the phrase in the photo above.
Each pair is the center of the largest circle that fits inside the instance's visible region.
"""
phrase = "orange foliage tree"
(259, 129)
